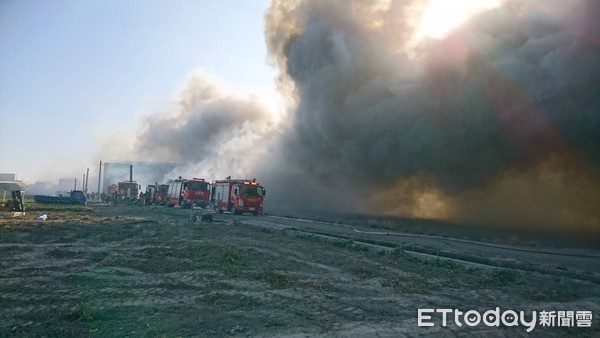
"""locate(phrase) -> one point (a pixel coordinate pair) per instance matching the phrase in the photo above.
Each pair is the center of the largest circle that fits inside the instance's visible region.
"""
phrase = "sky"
(73, 72)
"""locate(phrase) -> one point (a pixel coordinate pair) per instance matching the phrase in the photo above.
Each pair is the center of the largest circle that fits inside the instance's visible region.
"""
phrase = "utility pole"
(99, 176)
(87, 176)
(130, 180)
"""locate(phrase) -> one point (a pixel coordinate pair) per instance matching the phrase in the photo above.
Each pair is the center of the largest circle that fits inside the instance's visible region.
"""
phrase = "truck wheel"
(231, 209)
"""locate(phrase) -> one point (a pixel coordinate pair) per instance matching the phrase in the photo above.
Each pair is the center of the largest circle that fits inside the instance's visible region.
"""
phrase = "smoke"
(496, 123)
(559, 194)
(212, 133)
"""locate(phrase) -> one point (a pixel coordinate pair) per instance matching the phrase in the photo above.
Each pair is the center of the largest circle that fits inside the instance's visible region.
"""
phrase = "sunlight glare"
(441, 16)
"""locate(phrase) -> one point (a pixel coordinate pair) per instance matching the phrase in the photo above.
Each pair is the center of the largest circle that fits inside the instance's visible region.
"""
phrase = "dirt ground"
(147, 271)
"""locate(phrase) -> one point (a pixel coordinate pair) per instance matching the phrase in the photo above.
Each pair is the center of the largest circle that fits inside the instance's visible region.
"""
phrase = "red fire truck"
(128, 188)
(160, 195)
(156, 194)
(119, 192)
(111, 190)
(187, 193)
(238, 196)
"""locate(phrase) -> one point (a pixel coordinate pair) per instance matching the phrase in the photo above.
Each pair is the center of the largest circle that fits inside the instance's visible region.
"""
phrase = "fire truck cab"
(187, 193)
(238, 196)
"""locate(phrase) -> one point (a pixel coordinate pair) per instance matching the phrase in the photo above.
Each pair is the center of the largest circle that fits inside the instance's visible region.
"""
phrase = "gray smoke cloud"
(496, 123)
(212, 133)
(506, 105)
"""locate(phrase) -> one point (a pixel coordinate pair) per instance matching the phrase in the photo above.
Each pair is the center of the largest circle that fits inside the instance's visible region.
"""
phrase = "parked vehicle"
(156, 194)
(238, 196)
(124, 192)
(188, 193)
(128, 188)
(75, 197)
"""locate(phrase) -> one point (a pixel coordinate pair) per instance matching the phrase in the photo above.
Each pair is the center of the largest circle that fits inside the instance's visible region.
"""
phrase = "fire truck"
(112, 189)
(128, 188)
(156, 194)
(122, 190)
(187, 193)
(238, 196)
(160, 195)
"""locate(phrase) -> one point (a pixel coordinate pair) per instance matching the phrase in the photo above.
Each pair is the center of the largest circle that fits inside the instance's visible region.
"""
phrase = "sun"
(442, 16)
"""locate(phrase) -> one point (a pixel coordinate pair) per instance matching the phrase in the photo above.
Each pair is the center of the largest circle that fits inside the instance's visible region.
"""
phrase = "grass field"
(143, 271)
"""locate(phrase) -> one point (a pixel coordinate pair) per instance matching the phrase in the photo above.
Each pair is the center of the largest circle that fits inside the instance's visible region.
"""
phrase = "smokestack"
(75, 187)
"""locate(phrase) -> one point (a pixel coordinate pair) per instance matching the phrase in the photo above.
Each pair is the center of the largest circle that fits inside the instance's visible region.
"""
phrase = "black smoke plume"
(495, 123)
(498, 122)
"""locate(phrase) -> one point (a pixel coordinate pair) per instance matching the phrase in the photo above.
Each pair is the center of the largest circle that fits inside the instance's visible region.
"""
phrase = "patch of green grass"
(194, 252)
(324, 322)
(412, 285)
(81, 313)
(504, 276)
(311, 238)
(230, 256)
(266, 230)
(445, 264)
(351, 245)
(341, 243)
(438, 264)
(499, 278)
(61, 253)
(551, 296)
(47, 207)
(231, 301)
(235, 330)
(123, 321)
(364, 272)
(276, 278)
(398, 253)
